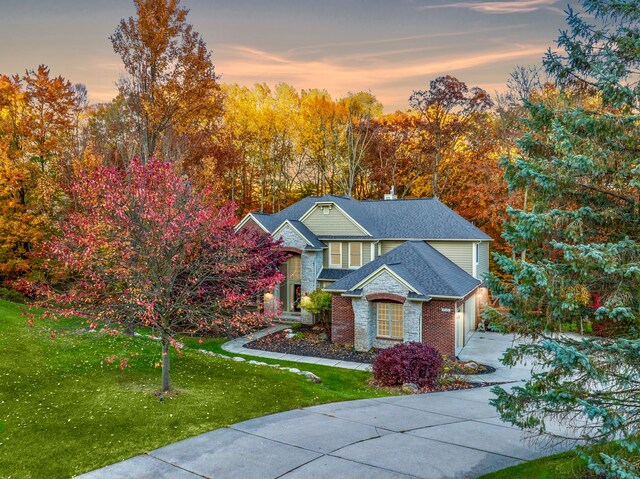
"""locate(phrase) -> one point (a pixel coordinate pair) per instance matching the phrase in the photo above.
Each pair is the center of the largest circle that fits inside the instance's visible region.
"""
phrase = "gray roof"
(329, 274)
(420, 265)
(426, 218)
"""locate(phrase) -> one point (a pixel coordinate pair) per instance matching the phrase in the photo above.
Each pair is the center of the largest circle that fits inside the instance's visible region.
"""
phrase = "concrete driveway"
(454, 434)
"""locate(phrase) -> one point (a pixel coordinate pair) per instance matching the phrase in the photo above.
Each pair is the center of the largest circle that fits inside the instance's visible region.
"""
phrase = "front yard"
(64, 410)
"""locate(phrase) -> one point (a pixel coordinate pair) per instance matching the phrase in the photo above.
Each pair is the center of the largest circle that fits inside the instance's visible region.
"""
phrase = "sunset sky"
(388, 47)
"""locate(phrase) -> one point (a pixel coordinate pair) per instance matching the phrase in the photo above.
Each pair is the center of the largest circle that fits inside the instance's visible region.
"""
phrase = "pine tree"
(578, 242)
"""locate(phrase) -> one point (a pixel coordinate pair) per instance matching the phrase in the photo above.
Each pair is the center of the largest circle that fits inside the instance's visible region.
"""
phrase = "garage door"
(469, 317)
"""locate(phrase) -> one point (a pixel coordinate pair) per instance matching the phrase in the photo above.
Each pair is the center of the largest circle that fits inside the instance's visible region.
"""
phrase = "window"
(477, 252)
(295, 270)
(335, 255)
(390, 320)
(355, 255)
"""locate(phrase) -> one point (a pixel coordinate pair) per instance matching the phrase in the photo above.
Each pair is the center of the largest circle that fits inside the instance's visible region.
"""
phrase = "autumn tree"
(171, 86)
(139, 244)
(446, 108)
(37, 128)
(581, 233)
(110, 132)
(394, 157)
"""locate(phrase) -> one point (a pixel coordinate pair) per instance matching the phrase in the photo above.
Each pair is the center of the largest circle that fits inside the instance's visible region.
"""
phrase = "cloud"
(424, 36)
(520, 6)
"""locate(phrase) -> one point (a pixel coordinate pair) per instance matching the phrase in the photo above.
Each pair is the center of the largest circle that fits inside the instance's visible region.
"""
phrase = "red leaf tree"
(139, 246)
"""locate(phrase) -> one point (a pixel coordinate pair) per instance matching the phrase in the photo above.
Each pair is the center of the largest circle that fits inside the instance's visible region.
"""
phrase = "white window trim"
(353, 266)
(334, 265)
(389, 310)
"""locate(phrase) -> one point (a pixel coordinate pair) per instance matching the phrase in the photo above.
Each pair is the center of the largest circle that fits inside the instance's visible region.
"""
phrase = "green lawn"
(63, 411)
(559, 466)
(566, 465)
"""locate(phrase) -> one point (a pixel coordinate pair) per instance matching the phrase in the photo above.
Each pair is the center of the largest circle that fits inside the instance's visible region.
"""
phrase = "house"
(398, 269)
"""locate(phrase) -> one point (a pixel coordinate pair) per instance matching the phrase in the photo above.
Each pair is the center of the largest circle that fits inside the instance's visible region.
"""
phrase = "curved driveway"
(454, 434)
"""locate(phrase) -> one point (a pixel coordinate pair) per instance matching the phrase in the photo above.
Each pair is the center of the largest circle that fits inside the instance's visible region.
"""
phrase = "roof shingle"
(420, 265)
(426, 219)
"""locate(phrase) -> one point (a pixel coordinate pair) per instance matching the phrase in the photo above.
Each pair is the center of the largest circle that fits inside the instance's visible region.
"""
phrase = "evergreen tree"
(578, 242)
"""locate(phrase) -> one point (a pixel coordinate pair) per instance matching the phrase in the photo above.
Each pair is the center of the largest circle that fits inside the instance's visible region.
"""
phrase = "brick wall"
(438, 327)
(342, 330)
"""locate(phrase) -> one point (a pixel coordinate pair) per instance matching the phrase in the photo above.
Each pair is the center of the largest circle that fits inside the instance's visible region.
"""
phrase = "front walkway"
(454, 434)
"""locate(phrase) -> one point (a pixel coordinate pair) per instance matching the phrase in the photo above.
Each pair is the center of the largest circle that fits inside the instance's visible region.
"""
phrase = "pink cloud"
(521, 6)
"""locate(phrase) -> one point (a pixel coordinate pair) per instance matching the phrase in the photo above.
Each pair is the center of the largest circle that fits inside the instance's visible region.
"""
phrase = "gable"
(385, 280)
(327, 219)
(249, 223)
(290, 237)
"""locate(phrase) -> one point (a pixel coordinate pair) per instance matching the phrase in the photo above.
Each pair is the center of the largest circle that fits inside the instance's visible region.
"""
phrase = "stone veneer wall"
(438, 327)
(308, 264)
(364, 320)
(341, 320)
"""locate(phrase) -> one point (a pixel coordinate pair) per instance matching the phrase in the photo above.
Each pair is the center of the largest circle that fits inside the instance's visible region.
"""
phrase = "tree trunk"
(166, 379)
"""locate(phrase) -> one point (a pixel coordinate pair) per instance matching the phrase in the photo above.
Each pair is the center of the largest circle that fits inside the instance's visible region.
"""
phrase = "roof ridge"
(398, 199)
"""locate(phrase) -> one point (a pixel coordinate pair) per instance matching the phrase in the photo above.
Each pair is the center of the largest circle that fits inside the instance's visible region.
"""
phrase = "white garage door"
(469, 316)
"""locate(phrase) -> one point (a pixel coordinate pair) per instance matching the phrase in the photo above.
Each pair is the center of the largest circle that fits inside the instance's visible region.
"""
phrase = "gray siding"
(333, 223)
(389, 245)
(460, 252)
(483, 259)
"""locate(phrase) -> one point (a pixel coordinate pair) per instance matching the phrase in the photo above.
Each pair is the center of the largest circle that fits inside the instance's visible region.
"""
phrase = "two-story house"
(399, 270)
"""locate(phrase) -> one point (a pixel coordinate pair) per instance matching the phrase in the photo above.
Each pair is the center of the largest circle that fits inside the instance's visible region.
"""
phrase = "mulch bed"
(311, 341)
(447, 386)
(310, 344)
(462, 367)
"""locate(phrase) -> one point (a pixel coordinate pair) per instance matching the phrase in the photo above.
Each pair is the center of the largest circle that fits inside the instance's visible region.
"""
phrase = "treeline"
(262, 147)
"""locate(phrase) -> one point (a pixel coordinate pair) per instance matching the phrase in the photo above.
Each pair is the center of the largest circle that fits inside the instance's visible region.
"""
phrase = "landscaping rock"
(311, 377)
(238, 358)
(323, 336)
(410, 388)
(294, 370)
(472, 365)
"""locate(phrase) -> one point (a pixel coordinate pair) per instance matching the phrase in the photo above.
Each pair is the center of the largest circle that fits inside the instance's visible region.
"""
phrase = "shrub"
(411, 362)
(11, 295)
(318, 303)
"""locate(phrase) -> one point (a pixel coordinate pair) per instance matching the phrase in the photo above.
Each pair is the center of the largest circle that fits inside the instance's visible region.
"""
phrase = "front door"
(291, 287)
